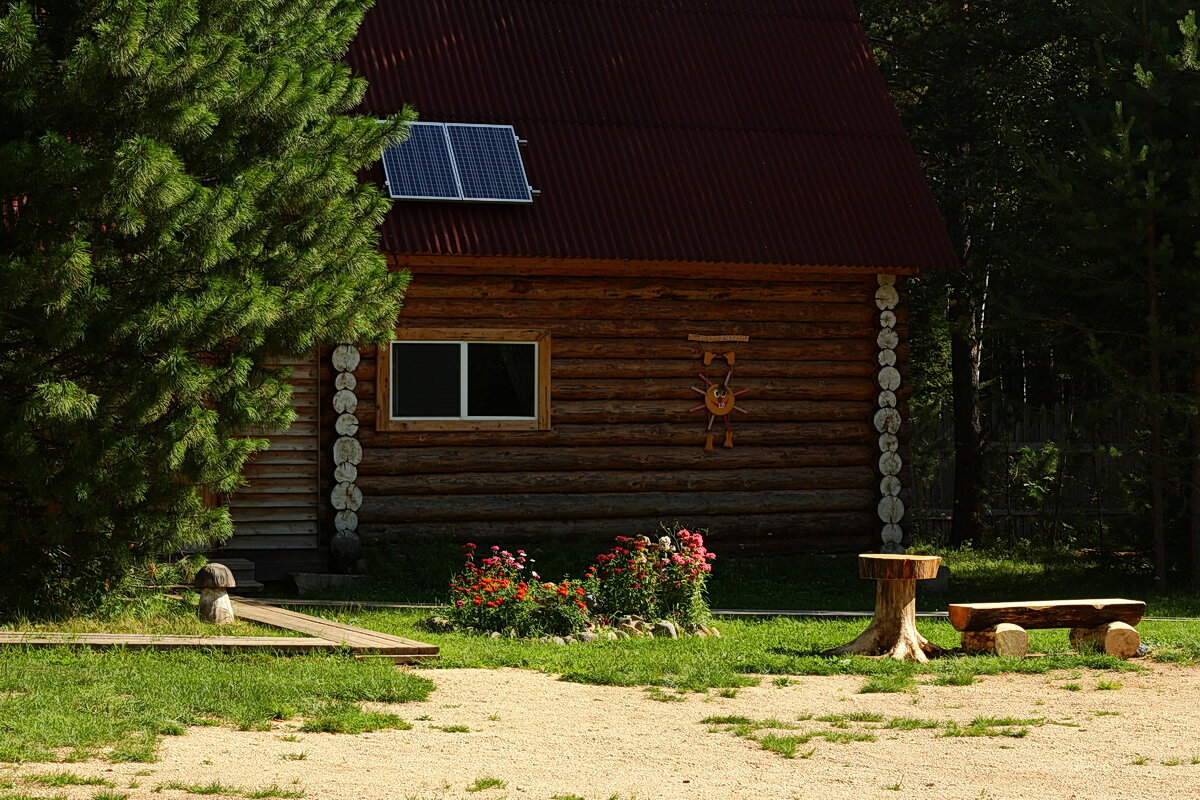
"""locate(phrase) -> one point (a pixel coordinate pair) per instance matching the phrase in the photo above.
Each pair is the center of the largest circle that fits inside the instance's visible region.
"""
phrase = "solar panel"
(489, 163)
(420, 167)
(456, 161)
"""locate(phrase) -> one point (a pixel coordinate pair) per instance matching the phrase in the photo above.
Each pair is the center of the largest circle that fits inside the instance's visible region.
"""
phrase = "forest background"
(1057, 376)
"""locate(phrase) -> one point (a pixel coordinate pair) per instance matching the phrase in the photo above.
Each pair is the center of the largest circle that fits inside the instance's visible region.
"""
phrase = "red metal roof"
(755, 131)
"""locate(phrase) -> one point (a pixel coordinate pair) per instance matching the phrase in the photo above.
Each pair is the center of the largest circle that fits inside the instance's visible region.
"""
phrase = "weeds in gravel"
(346, 717)
(481, 784)
(65, 779)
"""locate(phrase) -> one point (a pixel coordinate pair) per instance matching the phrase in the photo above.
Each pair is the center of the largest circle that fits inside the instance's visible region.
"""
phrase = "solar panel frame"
(486, 157)
(500, 167)
(422, 160)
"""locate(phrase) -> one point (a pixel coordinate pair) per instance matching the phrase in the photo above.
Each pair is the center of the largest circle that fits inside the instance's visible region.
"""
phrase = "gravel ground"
(545, 738)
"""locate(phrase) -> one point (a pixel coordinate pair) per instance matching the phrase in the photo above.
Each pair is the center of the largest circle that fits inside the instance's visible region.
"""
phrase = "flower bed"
(659, 584)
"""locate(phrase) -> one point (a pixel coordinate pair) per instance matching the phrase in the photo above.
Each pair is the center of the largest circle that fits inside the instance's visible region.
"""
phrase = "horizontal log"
(811, 532)
(457, 264)
(1046, 613)
(564, 412)
(664, 368)
(665, 328)
(684, 363)
(423, 508)
(680, 388)
(763, 349)
(671, 433)
(729, 311)
(511, 459)
(618, 481)
(488, 287)
(604, 387)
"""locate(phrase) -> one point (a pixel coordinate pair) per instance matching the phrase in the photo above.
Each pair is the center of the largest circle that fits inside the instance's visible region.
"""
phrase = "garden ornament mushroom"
(213, 581)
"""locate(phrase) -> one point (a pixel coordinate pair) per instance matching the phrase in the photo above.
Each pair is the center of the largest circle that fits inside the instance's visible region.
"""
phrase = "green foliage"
(178, 204)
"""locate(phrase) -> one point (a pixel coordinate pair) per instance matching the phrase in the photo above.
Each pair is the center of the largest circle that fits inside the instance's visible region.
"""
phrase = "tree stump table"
(893, 630)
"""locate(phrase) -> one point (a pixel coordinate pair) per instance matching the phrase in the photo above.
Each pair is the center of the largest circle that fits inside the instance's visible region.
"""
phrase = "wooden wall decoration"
(347, 454)
(719, 397)
(887, 419)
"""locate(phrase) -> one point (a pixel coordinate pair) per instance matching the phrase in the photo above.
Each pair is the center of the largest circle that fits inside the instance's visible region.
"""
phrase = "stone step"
(243, 573)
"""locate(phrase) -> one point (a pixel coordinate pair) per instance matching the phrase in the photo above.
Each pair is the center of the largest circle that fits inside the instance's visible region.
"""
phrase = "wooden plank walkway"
(324, 636)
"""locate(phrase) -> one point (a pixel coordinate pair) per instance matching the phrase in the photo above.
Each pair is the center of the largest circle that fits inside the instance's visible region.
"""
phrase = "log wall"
(624, 452)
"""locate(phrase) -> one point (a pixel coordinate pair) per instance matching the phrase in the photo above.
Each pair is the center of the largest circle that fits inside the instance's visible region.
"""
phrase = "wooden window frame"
(383, 380)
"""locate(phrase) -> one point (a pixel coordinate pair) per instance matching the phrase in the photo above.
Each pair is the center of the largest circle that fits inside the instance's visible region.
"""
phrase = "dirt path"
(545, 738)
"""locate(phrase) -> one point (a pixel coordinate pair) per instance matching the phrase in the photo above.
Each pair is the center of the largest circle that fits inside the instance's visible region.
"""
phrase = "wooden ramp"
(324, 636)
(357, 639)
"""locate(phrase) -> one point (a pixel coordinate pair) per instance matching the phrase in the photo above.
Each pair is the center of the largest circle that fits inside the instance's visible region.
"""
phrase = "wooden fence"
(1048, 474)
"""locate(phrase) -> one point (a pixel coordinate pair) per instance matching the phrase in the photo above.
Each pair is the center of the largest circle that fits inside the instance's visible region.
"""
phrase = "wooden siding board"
(278, 508)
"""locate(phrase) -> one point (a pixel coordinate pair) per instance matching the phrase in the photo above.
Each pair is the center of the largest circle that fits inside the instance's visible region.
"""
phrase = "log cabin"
(658, 253)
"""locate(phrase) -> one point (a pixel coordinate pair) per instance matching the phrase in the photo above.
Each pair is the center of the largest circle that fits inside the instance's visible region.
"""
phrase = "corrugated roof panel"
(754, 131)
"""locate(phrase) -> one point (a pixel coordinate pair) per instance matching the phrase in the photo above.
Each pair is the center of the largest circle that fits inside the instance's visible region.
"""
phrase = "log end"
(1114, 638)
(1005, 639)
(884, 566)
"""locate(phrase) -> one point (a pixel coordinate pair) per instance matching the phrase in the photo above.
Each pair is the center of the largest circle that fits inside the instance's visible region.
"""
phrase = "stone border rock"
(624, 627)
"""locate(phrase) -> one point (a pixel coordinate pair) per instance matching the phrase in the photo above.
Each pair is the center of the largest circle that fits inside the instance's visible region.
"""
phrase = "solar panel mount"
(458, 161)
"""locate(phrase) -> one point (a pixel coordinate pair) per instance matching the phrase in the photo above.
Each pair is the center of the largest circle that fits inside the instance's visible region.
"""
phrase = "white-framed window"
(465, 379)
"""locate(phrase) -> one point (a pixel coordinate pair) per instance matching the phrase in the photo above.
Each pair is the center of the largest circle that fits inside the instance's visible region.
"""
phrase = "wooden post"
(893, 630)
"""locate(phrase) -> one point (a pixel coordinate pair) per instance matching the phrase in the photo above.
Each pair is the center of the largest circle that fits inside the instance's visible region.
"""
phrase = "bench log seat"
(1104, 625)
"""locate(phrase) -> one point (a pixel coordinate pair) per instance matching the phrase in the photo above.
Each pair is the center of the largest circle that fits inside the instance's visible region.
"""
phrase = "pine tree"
(977, 85)
(178, 202)
(1129, 204)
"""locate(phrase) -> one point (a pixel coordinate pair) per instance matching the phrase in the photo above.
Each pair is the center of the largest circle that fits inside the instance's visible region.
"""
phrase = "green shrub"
(657, 580)
(500, 593)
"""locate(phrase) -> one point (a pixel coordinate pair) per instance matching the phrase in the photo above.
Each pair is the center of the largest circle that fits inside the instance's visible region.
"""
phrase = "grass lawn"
(779, 646)
(150, 614)
(65, 704)
(74, 703)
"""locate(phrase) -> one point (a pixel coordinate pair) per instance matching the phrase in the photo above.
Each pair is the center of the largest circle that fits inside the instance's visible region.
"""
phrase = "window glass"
(425, 379)
(501, 379)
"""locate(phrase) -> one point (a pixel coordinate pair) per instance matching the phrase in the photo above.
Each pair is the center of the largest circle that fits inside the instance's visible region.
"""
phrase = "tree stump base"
(893, 630)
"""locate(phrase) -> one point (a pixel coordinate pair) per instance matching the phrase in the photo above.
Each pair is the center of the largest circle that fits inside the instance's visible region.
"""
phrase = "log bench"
(1104, 625)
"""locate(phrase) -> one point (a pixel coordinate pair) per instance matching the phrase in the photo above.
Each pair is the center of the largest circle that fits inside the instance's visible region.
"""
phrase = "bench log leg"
(893, 631)
(1005, 639)
(1115, 638)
